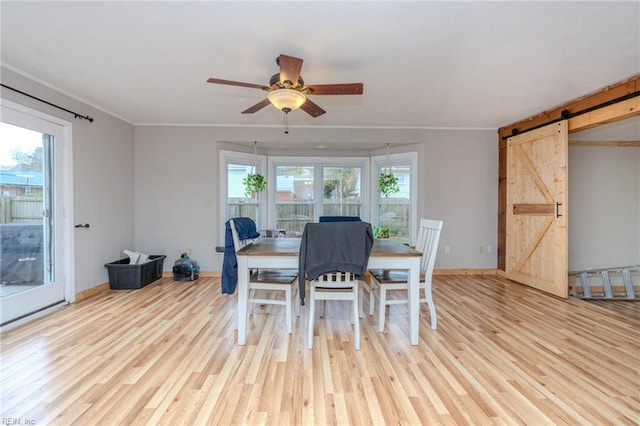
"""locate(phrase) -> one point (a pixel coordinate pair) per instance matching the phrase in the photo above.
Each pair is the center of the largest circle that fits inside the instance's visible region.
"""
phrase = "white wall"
(461, 188)
(176, 209)
(604, 207)
(176, 181)
(103, 188)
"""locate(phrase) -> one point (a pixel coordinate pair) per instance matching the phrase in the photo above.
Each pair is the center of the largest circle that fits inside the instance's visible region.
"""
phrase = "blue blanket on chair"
(246, 229)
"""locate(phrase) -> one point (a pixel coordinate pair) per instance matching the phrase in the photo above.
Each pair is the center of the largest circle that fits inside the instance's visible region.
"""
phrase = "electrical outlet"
(489, 249)
(481, 250)
(447, 249)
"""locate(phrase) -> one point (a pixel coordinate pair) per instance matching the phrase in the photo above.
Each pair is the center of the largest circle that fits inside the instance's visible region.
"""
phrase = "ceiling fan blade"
(312, 109)
(237, 83)
(289, 68)
(336, 89)
(257, 107)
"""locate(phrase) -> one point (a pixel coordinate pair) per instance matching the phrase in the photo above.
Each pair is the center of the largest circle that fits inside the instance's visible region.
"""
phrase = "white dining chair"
(383, 280)
(334, 286)
(334, 256)
(262, 281)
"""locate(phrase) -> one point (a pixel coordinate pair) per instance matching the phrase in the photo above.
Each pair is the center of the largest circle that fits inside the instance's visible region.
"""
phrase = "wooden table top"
(291, 247)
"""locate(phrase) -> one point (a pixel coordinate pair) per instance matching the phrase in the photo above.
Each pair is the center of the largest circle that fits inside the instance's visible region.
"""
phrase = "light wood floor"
(167, 354)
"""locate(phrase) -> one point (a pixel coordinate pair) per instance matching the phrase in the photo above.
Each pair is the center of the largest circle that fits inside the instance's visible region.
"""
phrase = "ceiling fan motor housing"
(274, 83)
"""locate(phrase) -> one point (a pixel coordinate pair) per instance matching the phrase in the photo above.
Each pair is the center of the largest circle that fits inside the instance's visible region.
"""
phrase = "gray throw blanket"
(334, 246)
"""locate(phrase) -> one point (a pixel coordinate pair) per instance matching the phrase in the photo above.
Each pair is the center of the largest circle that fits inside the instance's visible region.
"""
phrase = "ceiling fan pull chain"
(286, 124)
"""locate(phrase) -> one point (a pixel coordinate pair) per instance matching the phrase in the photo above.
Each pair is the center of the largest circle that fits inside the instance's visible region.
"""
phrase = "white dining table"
(282, 253)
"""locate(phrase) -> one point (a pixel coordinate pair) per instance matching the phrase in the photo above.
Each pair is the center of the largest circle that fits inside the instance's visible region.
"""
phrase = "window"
(307, 188)
(234, 168)
(398, 212)
(239, 203)
(341, 191)
(294, 201)
(301, 189)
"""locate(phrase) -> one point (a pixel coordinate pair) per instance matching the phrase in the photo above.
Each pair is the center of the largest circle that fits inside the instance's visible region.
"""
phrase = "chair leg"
(432, 306)
(235, 314)
(296, 300)
(288, 309)
(382, 308)
(312, 316)
(372, 298)
(356, 318)
(252, 295)
(360, 300)
(249, 313)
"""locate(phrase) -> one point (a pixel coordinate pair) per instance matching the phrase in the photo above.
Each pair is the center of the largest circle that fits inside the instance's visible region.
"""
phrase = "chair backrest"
(237, 242)
(427, 244)
(324, 219)
(325, 245)
(336, 279)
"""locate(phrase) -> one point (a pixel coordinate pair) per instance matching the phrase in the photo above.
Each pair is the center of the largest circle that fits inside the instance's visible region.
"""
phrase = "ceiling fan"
(287, 90)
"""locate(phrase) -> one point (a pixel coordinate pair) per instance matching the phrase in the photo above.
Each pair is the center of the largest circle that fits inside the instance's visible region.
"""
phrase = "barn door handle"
(558, 209)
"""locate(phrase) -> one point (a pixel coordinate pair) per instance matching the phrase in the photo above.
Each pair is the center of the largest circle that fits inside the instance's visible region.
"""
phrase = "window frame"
(260, 163)
(379, 162)
(318, 164)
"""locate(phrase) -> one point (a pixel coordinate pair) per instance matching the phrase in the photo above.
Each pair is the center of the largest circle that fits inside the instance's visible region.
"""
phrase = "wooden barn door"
(536, 244)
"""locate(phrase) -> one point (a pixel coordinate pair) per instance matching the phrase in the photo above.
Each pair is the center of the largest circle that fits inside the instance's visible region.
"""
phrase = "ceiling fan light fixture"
(286, 99)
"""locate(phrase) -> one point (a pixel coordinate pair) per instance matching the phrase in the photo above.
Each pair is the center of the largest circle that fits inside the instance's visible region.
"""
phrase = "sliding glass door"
(32, 227)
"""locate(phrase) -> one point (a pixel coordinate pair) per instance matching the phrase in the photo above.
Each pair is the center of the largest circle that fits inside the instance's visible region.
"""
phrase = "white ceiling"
(474, 65)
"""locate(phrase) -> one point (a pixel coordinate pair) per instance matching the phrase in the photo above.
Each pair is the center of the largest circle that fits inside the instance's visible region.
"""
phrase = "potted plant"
(388, 183)
(380, 232)
(254, 183)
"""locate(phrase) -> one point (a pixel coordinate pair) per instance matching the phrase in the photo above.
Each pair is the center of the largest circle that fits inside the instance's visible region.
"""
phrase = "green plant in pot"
(254, 183)
(388, 183)
(380, 232)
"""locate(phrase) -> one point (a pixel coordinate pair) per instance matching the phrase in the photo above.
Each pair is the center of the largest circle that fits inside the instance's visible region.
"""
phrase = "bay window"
(301, 189)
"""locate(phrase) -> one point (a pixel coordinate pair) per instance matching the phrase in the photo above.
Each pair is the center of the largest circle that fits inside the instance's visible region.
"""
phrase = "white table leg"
(243, 298)
(414, 299)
